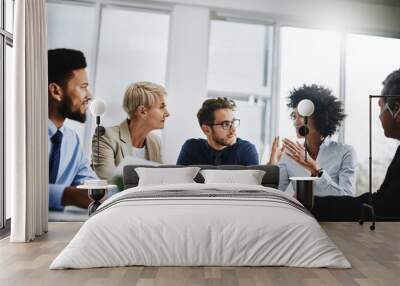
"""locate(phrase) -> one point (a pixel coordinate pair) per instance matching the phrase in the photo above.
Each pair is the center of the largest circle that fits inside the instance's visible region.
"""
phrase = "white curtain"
(27, 123)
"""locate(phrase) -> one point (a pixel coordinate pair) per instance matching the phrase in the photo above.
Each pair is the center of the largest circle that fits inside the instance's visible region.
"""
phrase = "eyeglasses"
(226, 125)
(387, 107)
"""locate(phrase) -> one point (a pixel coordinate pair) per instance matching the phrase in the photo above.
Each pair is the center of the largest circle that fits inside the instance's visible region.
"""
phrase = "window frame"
(99, 5)
(268, 76)
(6, 39)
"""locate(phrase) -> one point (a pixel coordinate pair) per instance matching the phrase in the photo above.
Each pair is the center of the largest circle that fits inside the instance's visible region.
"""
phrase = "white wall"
(186, 76)
(334, 14)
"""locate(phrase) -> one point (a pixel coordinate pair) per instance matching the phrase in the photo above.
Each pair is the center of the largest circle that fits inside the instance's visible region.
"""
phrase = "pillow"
(165, 176)
(248, 177)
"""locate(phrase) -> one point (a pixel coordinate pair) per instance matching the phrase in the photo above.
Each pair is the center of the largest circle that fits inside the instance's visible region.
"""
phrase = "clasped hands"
(296, 151)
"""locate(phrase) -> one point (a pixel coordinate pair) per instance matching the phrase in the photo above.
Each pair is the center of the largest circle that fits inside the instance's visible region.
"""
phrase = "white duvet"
(227, 231)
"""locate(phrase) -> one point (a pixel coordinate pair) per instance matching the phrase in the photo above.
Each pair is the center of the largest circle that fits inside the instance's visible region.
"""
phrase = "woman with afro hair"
(333, 162)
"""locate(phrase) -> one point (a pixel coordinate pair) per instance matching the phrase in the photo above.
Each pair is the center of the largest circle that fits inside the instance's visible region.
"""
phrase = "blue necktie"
(54, 160)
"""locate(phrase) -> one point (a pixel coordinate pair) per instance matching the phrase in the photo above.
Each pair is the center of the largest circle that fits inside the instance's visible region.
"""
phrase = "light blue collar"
(52, 129)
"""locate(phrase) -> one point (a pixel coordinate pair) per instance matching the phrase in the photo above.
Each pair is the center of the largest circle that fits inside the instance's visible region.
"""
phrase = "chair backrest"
(270, 179)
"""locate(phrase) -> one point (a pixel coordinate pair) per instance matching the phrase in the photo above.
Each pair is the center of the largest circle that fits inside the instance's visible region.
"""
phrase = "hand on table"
(76, 197)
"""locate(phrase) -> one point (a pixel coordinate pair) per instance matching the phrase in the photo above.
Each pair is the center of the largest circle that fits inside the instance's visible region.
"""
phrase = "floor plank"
(374, 255)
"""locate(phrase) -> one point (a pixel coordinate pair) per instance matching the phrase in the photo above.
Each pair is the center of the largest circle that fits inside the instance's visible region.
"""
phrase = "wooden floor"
(375, 257)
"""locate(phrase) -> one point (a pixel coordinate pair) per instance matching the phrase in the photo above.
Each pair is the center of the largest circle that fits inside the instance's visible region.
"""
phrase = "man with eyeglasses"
(386, 200)
(222, 147)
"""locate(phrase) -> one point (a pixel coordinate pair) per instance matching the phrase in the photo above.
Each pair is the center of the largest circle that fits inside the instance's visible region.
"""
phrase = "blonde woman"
(144, 103)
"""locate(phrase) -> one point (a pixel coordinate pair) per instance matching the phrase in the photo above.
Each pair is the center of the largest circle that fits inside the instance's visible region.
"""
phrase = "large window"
(134, 48)
(369, 60)
(9, 15)
(307, 57)
(72, 26)
(6, 43)
(239, 68)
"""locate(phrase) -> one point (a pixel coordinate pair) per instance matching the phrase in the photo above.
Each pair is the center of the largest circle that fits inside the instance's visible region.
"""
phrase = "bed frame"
(270, 179)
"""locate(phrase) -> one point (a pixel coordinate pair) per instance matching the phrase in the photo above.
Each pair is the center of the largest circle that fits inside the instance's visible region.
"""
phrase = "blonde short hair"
(142, 93)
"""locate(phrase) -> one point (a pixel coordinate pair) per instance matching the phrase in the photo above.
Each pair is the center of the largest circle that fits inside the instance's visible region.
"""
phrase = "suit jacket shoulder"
(115, 145)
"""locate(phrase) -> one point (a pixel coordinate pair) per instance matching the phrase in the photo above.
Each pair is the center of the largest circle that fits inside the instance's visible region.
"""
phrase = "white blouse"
(139, 152)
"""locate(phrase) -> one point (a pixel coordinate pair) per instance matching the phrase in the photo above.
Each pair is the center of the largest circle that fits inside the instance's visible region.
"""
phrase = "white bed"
(224, 225)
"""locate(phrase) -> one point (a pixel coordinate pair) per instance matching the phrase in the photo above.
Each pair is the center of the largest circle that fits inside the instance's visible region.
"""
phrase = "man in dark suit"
(386, 200)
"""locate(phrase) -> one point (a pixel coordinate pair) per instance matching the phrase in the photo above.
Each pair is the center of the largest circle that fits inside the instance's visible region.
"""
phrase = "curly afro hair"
(328, 112)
